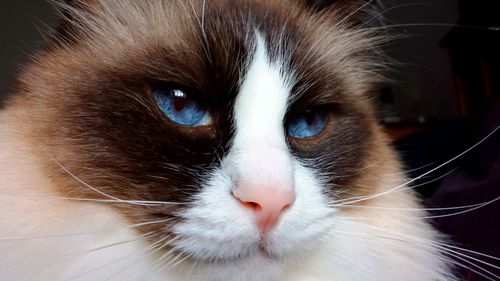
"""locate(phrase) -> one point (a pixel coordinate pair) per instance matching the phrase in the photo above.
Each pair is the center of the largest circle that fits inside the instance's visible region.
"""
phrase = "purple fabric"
(476, 180)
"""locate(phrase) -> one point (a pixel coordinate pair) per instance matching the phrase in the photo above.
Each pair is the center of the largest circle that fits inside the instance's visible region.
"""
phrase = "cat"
(207, 140)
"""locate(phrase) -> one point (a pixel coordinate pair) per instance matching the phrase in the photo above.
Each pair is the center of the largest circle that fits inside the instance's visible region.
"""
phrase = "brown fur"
(86, 100)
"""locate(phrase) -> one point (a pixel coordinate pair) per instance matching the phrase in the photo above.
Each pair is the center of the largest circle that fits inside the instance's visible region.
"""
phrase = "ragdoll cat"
(196, 140)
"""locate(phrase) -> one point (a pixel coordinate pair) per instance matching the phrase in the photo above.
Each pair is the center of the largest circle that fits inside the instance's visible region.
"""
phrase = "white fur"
(65, 240)
(259, 151)
(219, 227)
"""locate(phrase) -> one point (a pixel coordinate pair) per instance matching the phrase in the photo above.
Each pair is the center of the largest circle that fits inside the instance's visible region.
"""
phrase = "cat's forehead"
(209, 46)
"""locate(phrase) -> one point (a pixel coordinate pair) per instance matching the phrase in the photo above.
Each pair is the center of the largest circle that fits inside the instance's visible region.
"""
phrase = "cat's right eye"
(182, 108)
(307, 124)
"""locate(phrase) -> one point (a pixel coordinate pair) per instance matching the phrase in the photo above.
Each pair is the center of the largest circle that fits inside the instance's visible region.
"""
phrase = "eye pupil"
(180, 101)
(309, 117)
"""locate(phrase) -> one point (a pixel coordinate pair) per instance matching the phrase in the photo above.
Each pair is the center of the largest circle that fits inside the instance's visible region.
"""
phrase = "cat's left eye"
(182, 107)
(308, 124)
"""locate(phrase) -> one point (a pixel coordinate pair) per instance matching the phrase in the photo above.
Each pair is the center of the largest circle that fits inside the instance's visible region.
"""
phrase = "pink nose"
(267, 204)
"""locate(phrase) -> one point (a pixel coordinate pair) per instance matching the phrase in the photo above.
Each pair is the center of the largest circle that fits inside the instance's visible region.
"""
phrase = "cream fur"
(45, 237)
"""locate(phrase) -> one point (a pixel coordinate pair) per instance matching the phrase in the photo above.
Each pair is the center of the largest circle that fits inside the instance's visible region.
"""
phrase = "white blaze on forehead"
(258, 168)
(262, 101)
(259, 147)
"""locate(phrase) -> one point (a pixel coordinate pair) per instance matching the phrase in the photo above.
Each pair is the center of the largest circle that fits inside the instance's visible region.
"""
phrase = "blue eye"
(307, 124)
(182, 108)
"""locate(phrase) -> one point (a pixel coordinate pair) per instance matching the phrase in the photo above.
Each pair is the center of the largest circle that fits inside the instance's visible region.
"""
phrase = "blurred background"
(22, 23)
(444, 99)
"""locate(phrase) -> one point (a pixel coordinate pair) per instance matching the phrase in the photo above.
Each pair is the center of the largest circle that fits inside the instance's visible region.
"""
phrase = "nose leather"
(267, 203)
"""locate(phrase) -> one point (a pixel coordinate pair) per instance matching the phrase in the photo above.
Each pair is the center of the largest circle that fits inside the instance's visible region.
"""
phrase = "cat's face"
(228, 127)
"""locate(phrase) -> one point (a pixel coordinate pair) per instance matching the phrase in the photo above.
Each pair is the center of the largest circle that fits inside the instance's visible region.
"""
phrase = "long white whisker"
(385, 11)
(134, 202)
(437, 24)
(163, 258)
(415, 209)
(98, 200)
(151, 250)
(479, 268)
(146, 250)
(427, 243)
(339, 203)
(414, 238)
(360, 236)
(464, 211)
(15, 238)
(115, 199)
(424, 174)
(121, 242)
(84, 183)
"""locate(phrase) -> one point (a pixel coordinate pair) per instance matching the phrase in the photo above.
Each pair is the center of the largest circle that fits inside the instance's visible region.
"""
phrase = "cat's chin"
(259, 254)
(265, 247)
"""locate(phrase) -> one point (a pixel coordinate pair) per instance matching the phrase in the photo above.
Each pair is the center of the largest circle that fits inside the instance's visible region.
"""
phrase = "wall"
(21, 25)
(423, 85)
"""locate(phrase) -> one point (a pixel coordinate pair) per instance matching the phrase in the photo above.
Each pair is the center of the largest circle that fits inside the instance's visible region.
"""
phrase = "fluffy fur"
(98, 184)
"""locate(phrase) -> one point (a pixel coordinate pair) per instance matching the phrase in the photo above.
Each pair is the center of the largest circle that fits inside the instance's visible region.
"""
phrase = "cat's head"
(228, 126)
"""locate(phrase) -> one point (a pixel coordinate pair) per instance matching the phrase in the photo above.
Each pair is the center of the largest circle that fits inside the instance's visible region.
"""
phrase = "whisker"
(146, 250)
(427, 243)
(479, 270)
(340, 202)
(134, 202)
(414, 238)
(437, 24)
(368, 197)
(471, 269)
(352, 235)
(151, 250)
(113, 198)
(16, 238)
(164, 257)
(387, 10)
(465, 211)
(469, 208)
(120, 242)
(84, 183)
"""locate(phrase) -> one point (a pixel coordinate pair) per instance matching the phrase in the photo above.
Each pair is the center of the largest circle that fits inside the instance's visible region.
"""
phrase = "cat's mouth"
(219, 245)
(267, 253)
(261, 251)
(263, 248)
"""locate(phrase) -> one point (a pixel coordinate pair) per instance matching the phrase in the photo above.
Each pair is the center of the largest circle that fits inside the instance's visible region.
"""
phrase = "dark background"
(22, 23)
(444, 99)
